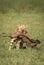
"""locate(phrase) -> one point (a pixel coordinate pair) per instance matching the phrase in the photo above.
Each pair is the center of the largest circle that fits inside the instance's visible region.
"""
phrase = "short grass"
(8, 23)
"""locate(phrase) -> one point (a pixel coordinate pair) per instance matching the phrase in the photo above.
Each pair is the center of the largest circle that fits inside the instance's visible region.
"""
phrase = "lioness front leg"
(11, 43)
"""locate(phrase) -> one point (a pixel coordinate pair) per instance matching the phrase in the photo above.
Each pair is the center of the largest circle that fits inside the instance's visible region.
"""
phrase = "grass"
(12, 13)
(21, 5)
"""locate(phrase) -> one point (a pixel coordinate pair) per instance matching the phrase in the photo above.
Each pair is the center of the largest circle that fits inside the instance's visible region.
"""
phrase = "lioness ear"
(22, 25)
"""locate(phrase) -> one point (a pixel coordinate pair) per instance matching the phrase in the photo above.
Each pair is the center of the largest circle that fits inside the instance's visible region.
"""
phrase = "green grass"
(21, 5)
(35, 22)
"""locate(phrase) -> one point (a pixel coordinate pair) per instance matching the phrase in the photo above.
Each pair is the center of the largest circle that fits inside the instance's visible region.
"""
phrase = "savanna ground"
(12, 13)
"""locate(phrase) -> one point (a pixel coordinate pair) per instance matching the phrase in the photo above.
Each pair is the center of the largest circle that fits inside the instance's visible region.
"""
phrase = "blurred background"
(21, 5)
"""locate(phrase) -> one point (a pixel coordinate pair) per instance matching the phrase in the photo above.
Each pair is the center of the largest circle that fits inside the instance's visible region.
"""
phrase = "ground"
(8, 22)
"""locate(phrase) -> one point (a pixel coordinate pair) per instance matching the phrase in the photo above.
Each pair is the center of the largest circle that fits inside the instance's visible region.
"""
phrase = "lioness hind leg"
(18, 44)
(21, 45)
